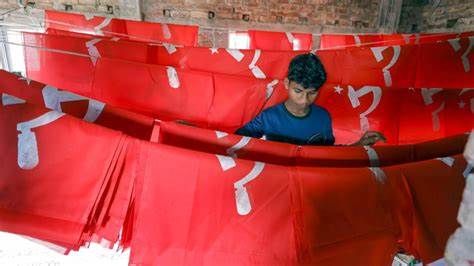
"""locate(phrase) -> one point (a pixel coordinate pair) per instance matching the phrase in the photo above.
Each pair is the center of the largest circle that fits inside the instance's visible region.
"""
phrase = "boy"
(298, 120)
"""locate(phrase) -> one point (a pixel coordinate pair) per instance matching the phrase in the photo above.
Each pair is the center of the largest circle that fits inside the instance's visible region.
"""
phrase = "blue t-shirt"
(278, 124)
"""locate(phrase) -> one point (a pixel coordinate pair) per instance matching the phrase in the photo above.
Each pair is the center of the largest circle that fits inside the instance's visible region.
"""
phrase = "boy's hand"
(370, 138)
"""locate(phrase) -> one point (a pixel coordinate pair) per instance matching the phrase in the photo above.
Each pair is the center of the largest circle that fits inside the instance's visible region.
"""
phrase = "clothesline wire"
(5, 41)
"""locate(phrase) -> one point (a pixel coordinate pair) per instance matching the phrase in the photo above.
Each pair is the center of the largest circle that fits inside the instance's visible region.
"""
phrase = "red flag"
(212, 211)
(280, 41)
(55, 168)
(121, 28)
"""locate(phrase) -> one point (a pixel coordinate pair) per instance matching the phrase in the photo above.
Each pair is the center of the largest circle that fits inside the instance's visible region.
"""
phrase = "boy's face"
(300, 96)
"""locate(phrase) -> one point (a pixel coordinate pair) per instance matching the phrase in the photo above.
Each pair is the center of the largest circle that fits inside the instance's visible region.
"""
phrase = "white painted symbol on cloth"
(242, 198)
(357, 40)
(227, 162)
(407, 38)
(220, 134)
(11, 100)
(427, 95)
(166, 31)
(239, 145)
(105, 23)
(28, 81)
(456, 45)
(173, 79)
(92, 50)
(28, 157)
(417, 38)
(462, 103)
(88, 16)
(378, 53)
(53, 98)
(256, 71)
(449, 161)
(338, 89)
(290, 37)
(354, 98)
(270, 89)
(295, 43)
(375, 164)
(170, 48)
(231, 151)
(236, 54)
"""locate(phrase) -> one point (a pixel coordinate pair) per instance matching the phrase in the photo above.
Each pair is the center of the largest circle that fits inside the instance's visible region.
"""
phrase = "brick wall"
(81, 6)
(216, 17)
(313, 15)
(437, 16)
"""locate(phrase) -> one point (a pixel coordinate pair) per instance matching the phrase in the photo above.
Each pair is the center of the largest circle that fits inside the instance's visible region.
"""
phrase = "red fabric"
(349, 108)
(54, 68)
(346, 217)
(274, 64)
(436, 111)
(436, 192)
(285, 215)
(455, 56)
(82, 24)
(52, 198)
(198, 222)
(400, 66)
(114, 212)
(369, 71)
(133, 124)
(336, 41)
(280, 41)
(178, 34)
(226, 102)
(127, 29)
(332, 41)
(318, 215)
(403, 116)
(211, 141)
(440, 148)
(192, 58)
(152, 94)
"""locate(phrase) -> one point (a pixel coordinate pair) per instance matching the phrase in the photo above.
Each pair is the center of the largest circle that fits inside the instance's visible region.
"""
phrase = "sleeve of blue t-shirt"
(253, 129)
(329, 136)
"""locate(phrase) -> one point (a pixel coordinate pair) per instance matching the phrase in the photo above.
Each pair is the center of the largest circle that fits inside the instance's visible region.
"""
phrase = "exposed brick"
(294, 12)
(434, 19)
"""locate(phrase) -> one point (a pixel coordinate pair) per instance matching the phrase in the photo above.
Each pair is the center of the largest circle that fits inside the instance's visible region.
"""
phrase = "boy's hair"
(307, 70)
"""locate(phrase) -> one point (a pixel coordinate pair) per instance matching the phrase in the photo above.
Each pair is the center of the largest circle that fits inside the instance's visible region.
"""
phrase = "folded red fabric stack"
(64, 181)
